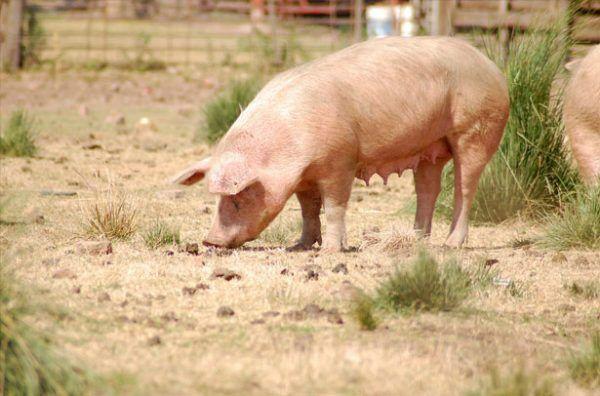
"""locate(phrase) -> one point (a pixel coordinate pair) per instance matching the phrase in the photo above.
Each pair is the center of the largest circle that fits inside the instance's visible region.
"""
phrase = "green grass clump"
(578, 226)
(531, 171)
(281, 231)
(363, 310)
(221, 112)
(17, 140)
(111, 216)
(585, 365)
(425, 286)
(161, 234)
(518, 383)
(29, 361)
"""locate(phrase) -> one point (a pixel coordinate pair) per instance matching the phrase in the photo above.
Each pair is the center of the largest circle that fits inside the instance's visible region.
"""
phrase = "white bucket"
(386, 20)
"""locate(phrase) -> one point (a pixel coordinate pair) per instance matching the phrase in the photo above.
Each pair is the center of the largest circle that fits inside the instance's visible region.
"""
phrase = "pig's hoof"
(299, 247)
(332, 248)
(453, 243)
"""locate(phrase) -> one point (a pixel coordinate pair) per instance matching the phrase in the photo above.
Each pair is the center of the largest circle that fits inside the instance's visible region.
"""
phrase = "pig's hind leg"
(310, 203)
(427, 177)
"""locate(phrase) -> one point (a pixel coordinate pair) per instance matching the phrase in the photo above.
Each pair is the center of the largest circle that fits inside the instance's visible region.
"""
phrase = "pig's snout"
(220, 243)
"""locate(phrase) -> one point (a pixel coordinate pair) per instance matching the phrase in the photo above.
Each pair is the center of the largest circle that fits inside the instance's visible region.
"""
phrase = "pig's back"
(389, 97)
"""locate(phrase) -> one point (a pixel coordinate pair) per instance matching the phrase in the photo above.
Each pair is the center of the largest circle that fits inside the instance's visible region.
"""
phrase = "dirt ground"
(131, 314)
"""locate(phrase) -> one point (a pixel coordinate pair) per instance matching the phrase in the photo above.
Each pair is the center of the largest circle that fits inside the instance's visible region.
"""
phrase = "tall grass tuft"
(425, 286)
(578, 225)
(17, 140)
(111, 216)
(530, 172)
(161, 234)
(221, 112)
(29, 362)
(585, 365)
(363, 310)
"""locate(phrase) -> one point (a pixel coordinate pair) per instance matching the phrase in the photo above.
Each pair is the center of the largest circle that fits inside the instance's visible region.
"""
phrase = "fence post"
(11, 20)
(441, 24)
(358, 11)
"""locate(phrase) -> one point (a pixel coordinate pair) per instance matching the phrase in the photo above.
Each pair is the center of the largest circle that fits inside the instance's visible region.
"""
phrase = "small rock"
(312, 275)
(340, 268)
(34, 215)
(270, 314)
(104, 297)
(207, 210)
(153, 341)
(258, 321)
(64, 274)
(285, 271)
(170, 253)
(95, 248)
(107, 263)
(76, 289)
(192, 248)
(145, 125)
(51, 261)
(313, 311)
(225, 274)
(504, 282)
(490, 262)
(225, 311)
(92, 146)
(559, 257)
(56, 193)
(170, 194)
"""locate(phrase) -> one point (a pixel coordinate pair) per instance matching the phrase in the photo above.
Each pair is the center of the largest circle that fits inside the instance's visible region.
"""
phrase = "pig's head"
(249, 199)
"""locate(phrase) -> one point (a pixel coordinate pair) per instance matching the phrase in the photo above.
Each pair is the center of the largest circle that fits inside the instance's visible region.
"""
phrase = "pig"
(377, 107)
(581, 115)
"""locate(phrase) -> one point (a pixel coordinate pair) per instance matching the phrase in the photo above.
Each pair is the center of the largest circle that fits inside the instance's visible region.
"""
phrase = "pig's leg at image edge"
(428, 178)
(310, 203)
(335, 195)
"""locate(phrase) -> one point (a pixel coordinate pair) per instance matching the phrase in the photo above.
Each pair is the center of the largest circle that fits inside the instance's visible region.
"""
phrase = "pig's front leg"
(310, 203)
(335, 201)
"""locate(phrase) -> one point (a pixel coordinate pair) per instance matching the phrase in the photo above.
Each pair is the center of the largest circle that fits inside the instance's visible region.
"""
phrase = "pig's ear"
(572, 65)
(193, 174)
(231, 175)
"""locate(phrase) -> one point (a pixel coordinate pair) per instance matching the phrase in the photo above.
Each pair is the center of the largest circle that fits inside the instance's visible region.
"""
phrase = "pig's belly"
(432, 153)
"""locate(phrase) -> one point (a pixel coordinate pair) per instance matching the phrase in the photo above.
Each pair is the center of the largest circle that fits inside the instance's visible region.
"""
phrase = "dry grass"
(135, 294)
(161, 234)
(517, 383)
(112, 215)
(17, 138)
(392, 240)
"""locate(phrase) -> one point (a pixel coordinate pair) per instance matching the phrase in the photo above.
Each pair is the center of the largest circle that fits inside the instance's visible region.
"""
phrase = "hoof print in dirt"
(340, 269)
(226, 274)
(64, 274)
(224, 312)
(95, 248)
(154, 341)
(104, 297)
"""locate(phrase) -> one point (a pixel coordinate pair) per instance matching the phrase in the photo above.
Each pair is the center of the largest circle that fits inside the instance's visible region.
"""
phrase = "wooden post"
(358, 12)
(441, 11)
(11, 22)
(503, 33)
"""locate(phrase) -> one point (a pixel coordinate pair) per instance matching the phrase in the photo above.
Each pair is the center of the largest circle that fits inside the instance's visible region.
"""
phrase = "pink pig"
(581, 114)
(377, 107)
